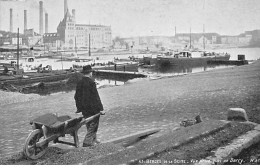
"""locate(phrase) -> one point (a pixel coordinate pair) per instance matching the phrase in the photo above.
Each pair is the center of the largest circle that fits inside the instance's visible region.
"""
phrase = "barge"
(187, 58)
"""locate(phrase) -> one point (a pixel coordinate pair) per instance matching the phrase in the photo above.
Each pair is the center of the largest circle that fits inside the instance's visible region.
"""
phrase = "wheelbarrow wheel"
(31, 149)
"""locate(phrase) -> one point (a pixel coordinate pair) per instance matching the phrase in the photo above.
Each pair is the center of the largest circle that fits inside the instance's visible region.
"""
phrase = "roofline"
(92, 25)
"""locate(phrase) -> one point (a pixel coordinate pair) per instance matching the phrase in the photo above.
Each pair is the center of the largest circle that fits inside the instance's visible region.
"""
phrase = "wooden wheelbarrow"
(49, 127)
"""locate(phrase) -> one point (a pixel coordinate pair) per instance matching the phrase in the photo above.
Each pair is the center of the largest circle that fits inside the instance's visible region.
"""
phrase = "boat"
(189, 58)
(80, 62)
(148, 60)
(50, 54)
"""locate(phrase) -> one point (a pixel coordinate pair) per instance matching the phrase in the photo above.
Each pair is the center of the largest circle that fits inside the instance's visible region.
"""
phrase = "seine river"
(251, 54)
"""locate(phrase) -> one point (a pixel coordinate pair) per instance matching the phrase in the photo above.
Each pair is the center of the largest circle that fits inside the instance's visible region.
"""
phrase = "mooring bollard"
(237, 114)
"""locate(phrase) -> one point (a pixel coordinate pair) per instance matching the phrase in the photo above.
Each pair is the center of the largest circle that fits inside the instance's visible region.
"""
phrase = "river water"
(250, 54)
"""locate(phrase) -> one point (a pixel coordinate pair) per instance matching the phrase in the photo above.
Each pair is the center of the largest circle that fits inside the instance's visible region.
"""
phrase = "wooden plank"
(133, 136)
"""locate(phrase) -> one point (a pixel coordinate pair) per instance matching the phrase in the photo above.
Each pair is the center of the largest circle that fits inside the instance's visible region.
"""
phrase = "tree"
(127, 46)
(120, 40)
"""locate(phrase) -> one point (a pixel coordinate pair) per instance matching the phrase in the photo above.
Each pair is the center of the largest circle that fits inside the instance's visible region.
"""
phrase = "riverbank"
(147, 104)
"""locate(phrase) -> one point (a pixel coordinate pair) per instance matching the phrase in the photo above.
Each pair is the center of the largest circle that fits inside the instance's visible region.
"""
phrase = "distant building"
(245, 40)
(209, 40)
(52, 40)
(199, 38)
(214, 39)
(255, 34)
(67, 31)
(100, 36)
(15, 41)
(148, 42)
(74, 35)
(8, 38)
(204, 40)
(182, 37)
(229, 40)
(33, 38)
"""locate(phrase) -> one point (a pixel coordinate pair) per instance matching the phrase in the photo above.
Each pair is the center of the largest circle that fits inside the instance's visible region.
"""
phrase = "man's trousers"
(92, 128)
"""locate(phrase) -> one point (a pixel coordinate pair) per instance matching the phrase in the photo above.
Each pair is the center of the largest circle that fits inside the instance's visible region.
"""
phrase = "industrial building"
(69, 35)
(73, 35)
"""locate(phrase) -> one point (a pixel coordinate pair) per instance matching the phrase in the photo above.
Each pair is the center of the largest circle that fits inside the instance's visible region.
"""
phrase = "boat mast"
(175, 35)
(204, 37)
(18, 51)
(89, 52)
(204, 1)
(190, 37)
(75, 44)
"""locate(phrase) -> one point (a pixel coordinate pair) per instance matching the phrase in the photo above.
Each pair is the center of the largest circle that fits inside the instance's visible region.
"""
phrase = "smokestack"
(25, 20)
(41, 18)
(46, 22)
(74, 13)
(11, 20)
(65, 7)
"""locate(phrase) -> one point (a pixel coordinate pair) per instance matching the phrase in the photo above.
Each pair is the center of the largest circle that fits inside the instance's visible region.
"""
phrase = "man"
(88, 102)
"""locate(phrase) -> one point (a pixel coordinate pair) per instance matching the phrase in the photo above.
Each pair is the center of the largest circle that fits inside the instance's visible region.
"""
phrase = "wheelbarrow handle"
(84, 121)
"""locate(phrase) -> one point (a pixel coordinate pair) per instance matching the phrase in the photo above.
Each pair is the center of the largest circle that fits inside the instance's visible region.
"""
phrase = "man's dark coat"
(87, 98)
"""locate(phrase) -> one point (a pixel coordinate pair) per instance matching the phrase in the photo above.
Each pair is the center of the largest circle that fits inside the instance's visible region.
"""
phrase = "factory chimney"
(46, 22)
(25, 20)
(74, 13)
(65, 7)
(41, 18)
(11, 20)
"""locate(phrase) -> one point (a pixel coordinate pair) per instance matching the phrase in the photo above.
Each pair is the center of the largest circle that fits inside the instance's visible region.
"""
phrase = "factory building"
(69, 35)
(51, 41)
(98, 36)
(74, 35)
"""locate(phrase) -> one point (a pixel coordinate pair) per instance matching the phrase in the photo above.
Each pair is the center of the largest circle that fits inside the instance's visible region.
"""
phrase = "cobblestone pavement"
(161, 103)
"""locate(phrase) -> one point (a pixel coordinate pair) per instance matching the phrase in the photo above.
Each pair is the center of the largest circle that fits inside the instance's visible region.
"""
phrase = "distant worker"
(88, 103)
(5, 70)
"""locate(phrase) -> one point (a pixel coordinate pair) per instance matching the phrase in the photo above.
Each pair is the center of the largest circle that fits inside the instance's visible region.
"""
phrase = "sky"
(129, 18)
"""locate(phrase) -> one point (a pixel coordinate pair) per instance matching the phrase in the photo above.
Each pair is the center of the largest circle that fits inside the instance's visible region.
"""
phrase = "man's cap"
(87, 69)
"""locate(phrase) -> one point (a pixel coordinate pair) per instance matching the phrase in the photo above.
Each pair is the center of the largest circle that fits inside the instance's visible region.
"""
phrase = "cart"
(49, 127)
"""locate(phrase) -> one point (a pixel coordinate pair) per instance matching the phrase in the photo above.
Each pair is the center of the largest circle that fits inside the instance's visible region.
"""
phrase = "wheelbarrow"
(50, 127)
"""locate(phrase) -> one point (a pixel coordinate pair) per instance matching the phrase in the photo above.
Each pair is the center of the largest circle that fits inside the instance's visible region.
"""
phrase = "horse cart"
(50, 127)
